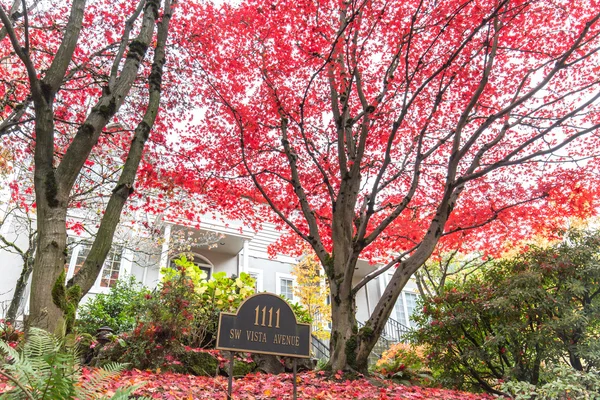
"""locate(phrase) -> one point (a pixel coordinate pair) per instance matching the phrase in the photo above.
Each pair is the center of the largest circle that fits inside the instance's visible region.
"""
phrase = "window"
(286, 288)
(111, 270)
(80, 252)
(285, 285)
(411, 304)
(399, 310)
(404, 307)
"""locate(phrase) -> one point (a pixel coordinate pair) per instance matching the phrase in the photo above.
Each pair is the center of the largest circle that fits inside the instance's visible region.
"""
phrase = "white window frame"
(278, 277)
(259, 278)
(124, 266)
(384, 279)
(405, 304)
(402, 297)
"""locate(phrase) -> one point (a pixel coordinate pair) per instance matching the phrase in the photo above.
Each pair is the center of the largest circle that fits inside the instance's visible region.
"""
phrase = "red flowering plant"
(179, 321)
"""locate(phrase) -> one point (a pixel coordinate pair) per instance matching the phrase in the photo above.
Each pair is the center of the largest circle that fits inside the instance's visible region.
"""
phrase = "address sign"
(264, 323)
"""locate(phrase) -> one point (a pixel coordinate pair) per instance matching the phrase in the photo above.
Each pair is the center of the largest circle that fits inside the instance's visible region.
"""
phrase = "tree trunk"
(370, 333)
(340, 272)
(574, 358)
(53, 304)
(49, 267)
(51, 199)
(87, 275)
(15, 303)
(343, 342)
(13, 309)
(51, 194)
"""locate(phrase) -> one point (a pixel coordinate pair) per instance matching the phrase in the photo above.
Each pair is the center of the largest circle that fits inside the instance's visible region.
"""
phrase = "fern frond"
(38, 347)
(44, 369)
(115, 367)
(39, 342)
(90, 389)
(123, 393)
(24, 393)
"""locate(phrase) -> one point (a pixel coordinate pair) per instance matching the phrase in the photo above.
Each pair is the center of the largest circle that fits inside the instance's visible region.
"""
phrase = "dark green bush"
(119, 308)
(518, 316)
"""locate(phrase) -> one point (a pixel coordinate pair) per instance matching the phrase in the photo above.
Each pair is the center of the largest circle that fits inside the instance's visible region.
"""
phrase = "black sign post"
(264, 323)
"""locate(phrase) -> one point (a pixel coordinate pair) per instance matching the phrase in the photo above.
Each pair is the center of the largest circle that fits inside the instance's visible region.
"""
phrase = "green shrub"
(183, 312)
(188, 305)
(562, 383)
(322, 364)
(511, 320)
(180, 318)
(118, 309)
(301, 313)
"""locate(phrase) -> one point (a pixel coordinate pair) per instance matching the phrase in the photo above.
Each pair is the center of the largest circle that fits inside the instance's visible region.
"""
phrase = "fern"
(89, 388)
(124, 393)
(45, 369)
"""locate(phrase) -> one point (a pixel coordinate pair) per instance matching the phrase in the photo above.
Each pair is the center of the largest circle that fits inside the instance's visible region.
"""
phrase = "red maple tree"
(384, 130)
(67, 71)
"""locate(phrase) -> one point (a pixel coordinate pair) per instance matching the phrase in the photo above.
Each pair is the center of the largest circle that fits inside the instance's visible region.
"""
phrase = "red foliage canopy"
(419, 66)
(91, 69)
(497, 100)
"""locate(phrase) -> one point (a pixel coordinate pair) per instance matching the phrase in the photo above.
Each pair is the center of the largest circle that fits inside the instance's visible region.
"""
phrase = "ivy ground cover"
(311, 385)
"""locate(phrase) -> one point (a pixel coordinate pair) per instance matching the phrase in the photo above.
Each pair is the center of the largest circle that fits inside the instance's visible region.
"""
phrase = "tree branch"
(109, 103)
(114, 71)
(86, 276)
(369, 277)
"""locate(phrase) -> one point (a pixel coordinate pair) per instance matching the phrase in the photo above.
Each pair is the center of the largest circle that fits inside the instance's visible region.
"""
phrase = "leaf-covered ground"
(311, 385)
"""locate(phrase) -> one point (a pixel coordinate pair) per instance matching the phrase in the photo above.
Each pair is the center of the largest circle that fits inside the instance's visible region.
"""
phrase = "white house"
(234, 248)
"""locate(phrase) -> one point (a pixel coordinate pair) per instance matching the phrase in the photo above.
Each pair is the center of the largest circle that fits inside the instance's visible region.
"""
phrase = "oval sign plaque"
(264, 323)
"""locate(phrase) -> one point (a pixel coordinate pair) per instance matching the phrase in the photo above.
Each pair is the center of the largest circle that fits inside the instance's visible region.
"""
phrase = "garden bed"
(311, 385)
